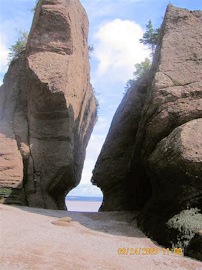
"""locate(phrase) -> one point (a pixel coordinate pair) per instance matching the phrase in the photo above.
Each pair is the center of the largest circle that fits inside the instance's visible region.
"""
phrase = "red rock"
(152, 157)
(49, 106)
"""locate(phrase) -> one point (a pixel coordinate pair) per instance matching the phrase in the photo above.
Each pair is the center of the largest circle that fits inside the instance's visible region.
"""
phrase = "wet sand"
(36, 239)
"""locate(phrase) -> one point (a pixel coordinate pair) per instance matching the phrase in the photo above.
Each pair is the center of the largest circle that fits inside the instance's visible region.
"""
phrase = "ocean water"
(83, 204)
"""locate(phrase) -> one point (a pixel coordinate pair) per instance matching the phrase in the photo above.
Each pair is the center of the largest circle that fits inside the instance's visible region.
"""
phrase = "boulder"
(194, 248)
(49, 109)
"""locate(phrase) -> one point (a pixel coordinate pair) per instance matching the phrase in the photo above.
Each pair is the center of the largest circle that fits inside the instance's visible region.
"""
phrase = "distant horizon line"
(84, 196)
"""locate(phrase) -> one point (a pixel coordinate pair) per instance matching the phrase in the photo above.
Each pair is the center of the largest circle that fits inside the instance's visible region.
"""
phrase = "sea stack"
(151, 160)
(47, 109)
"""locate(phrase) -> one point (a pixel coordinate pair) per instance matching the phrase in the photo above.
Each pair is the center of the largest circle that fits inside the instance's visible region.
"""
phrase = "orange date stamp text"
(149, 251)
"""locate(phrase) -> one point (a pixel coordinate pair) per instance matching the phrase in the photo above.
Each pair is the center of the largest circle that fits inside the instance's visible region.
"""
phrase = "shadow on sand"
(115, 223)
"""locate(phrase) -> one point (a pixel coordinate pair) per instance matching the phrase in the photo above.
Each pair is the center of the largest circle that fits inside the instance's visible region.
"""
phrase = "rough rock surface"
(152, 157)
(47, 109)
(111, 169)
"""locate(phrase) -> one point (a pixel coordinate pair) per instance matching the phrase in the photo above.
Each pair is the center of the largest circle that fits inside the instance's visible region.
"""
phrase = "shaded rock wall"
(49, 110)
(152, 157)
(111, 170)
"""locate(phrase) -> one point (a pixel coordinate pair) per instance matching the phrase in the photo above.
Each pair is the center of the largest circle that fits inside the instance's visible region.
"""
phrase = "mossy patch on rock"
(5, 191)
(185, 225)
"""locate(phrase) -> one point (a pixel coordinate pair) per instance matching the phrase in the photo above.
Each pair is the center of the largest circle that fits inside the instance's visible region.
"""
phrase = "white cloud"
(3, 57)
(118, 49)
(86, 190)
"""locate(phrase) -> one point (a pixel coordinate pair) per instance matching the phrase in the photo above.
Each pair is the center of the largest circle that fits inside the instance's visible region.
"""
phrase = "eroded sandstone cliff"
(47, 109)
(152, 157)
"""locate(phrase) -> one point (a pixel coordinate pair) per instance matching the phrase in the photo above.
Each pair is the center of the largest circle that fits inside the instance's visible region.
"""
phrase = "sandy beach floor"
(35, 239)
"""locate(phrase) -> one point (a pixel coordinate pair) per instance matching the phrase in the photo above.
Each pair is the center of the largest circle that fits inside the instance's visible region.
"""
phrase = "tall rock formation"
(47, 109)
(152, 157)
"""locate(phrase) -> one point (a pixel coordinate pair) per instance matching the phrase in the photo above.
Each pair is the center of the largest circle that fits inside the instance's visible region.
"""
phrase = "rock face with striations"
(47, 109)
(152, 157)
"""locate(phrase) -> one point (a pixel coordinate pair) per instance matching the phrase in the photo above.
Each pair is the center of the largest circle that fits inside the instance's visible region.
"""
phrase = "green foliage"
(34, 8)
(150, 37)
(142, 68)
(96, 99)
(19, 46)
(90, 49)
(186, 224)
(141, 71)
(5, 191)
(129, 83)
(176, 82)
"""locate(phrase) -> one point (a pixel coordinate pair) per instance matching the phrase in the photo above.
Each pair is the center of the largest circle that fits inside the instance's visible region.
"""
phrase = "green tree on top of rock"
(150, 37)
(19, 46)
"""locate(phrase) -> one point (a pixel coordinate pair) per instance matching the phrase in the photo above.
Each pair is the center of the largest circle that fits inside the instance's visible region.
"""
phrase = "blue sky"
(115, 30)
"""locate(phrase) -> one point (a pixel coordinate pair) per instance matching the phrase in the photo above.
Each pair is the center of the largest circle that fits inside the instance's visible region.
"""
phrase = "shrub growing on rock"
(19, 46)
(185, 225)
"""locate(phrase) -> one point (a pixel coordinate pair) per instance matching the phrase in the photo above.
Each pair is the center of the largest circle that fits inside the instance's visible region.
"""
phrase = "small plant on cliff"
(96, 100)
(90, 49)
(5, 191)
(176, 83)
(34, 8)
(141, 71)
(142, 68)
(19, 46)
